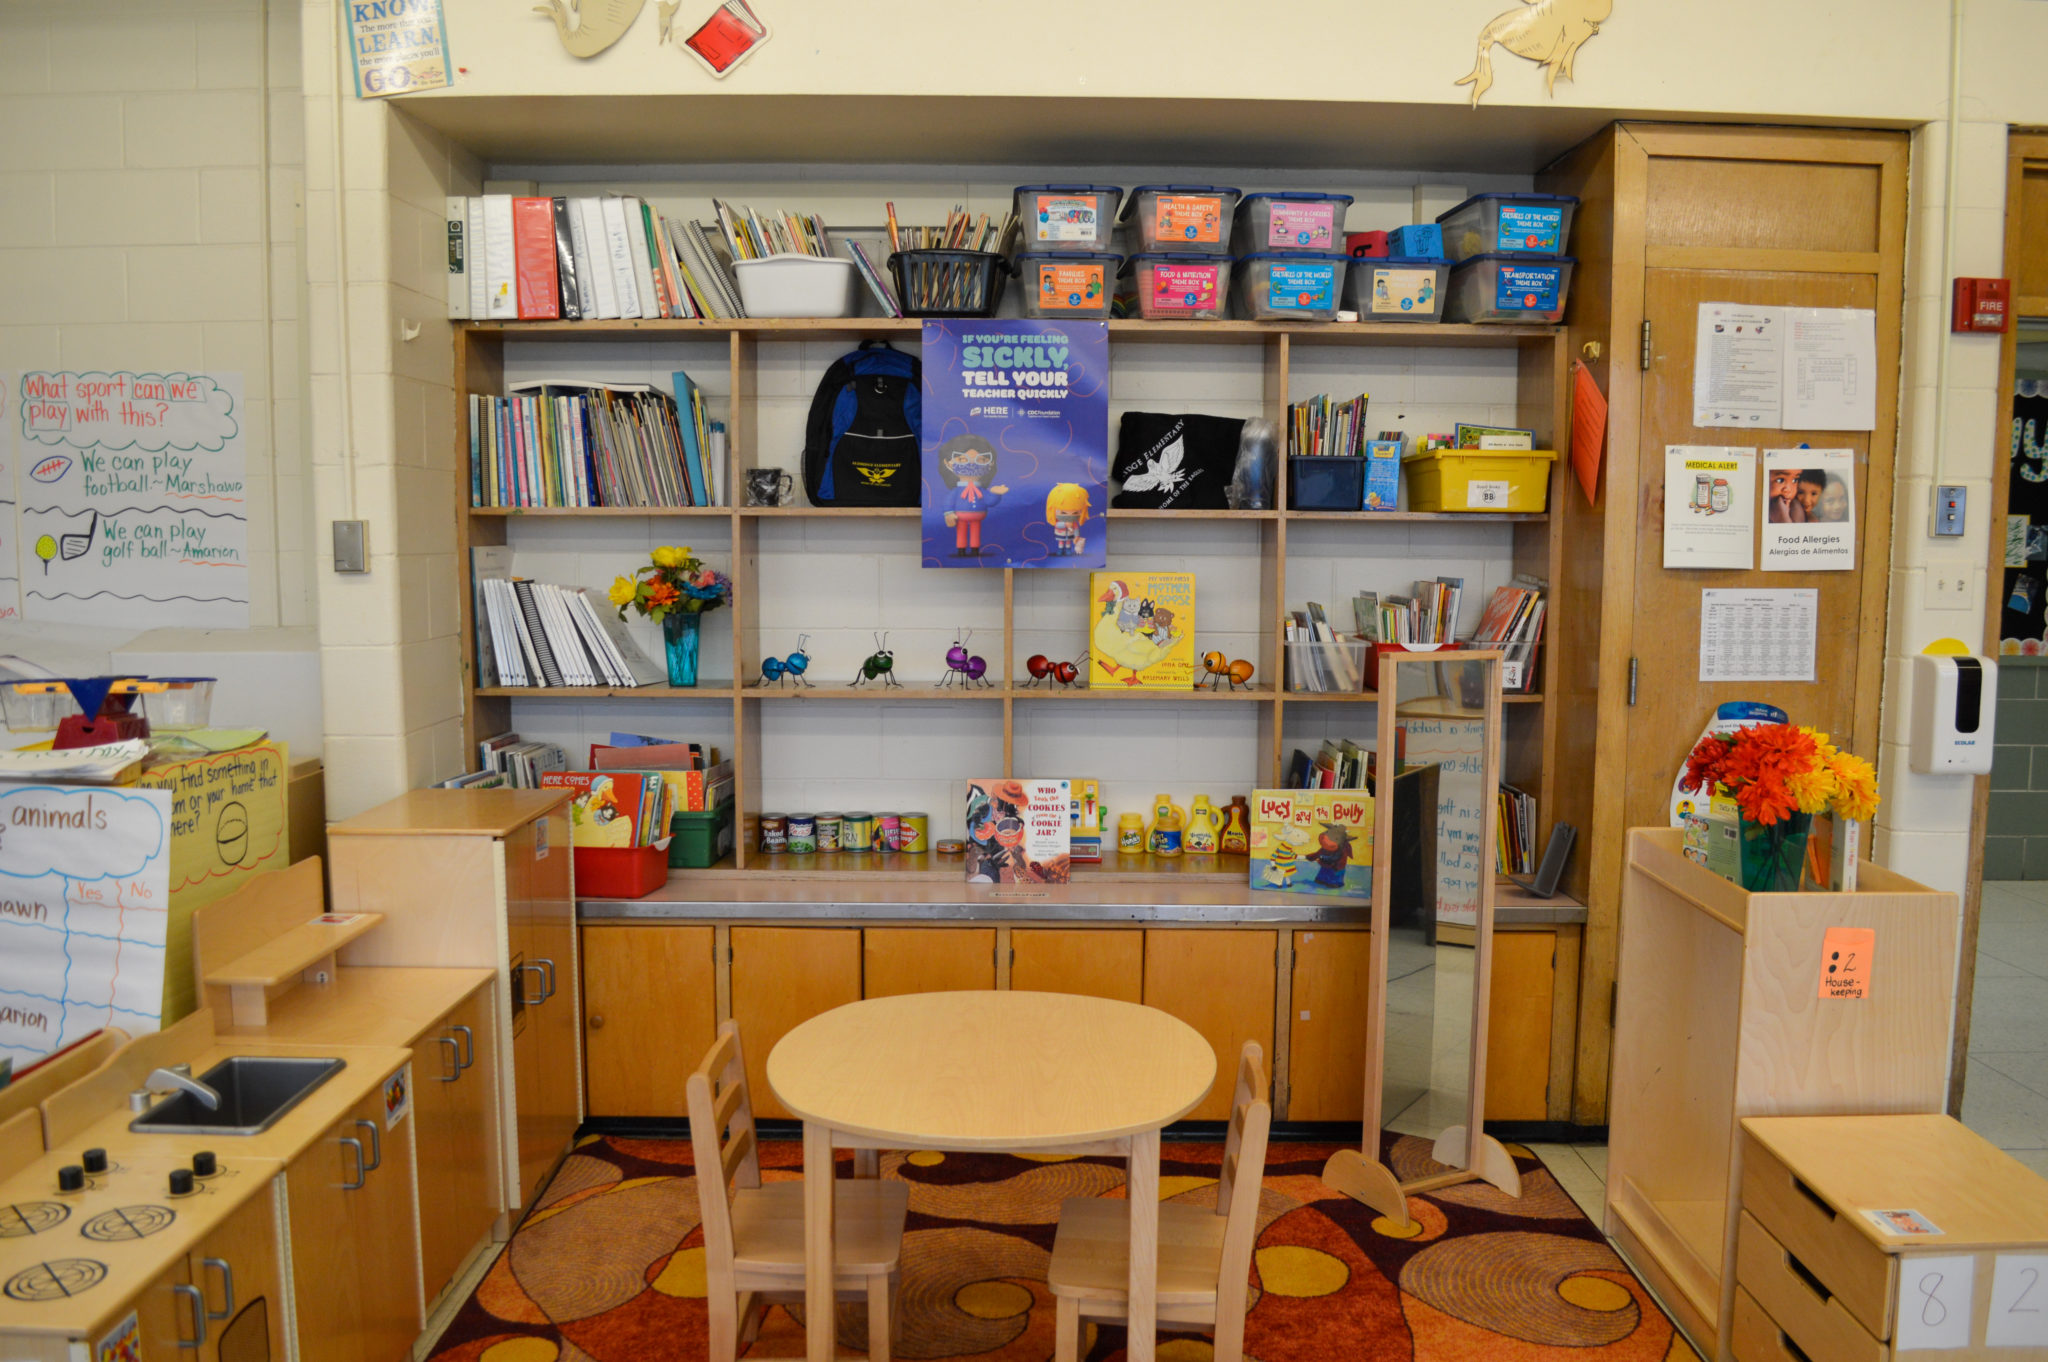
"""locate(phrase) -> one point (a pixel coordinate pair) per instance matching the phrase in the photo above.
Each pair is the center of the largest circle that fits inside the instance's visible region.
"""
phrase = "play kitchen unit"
(302, 1167)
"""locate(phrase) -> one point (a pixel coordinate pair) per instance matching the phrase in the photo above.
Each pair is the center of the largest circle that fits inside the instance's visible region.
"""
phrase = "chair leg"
(879, 1314)
(896, 1307)
(1229, 1346)
(753, 1310)
(1066, 1329)
(723, 1344)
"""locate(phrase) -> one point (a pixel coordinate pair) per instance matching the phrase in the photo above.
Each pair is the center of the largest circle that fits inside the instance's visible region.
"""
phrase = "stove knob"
(181, 1182)
(70, 1178)
(203, 1164)
(95, 1160)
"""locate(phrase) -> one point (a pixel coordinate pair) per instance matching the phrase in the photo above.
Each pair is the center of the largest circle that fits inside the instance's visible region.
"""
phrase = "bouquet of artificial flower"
(1776, 770)
(675, 581)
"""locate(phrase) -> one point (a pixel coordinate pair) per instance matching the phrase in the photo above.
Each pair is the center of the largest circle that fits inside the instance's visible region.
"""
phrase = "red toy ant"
(1043, 668)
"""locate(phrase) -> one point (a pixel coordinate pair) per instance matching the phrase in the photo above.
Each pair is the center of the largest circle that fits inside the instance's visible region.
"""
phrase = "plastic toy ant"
(969, 669)
(880, 663)
(793, 667)
(1237, 673)
(1043, 668)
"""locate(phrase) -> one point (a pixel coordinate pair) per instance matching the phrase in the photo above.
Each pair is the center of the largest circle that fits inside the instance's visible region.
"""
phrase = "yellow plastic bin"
(1500, 480)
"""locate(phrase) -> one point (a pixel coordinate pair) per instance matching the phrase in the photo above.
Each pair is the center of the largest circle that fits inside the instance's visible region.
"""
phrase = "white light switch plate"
(1954, 586)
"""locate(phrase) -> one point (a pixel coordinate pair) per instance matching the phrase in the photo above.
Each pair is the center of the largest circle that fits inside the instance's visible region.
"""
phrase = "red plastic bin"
(620, 872)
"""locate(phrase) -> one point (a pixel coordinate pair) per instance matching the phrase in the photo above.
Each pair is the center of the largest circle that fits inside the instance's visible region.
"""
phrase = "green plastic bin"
(698, 841)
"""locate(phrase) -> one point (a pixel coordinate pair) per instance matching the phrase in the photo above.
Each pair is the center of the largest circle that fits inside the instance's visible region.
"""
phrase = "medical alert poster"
(1709, 507)
(1809, 510)
(131, 499)
(84, 894)
(398, 46)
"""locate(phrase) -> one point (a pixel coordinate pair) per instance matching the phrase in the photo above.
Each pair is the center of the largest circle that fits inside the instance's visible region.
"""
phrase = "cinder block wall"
(2016, 840)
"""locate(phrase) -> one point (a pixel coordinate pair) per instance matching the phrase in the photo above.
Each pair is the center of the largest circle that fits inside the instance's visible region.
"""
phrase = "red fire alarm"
(1981, 305)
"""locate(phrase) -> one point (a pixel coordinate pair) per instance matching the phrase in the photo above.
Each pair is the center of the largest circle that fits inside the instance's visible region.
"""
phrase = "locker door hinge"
(1631, 682)
(1646, 345)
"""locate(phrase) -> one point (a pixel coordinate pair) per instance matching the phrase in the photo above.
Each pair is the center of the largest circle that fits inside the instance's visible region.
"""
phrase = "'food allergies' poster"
(1015, 443)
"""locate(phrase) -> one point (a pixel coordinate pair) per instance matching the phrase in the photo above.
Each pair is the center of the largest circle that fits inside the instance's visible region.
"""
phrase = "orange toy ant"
(1237, 673)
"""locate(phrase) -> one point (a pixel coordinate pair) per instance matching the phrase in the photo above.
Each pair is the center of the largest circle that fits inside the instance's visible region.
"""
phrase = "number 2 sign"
(2019, 1302)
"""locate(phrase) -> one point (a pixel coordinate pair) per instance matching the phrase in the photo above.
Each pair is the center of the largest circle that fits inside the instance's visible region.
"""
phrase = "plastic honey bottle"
(1236, 837)
(1204, 823)
(1169, 821)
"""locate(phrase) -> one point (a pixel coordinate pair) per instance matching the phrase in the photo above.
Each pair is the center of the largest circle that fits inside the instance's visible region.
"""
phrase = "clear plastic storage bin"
(1175, 285)
(1396, 289)
(1289, 287)
(1067, 285)
(1509, 288)
(1066, 217)
(1333, 666)
(797, 286)
(1508, 224)
(1291, 221)
(175, 702)
(1181, 217)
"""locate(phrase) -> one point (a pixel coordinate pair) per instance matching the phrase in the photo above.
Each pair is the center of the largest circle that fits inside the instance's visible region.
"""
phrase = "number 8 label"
(1936, 1300)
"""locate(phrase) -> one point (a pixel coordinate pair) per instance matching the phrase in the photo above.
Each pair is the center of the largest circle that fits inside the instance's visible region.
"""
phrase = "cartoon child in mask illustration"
(967, 463)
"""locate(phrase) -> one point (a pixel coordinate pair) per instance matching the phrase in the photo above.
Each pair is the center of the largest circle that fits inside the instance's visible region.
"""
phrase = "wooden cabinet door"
(1328, 1012)
(325, 1283)
(927, 960)
(164, 1325)
(1219, 981)
(454, 1136)
(381, 1224)
(781, 977)
(1109, 963)
(1518, 1026)
(237, 1269)
(650, 1012)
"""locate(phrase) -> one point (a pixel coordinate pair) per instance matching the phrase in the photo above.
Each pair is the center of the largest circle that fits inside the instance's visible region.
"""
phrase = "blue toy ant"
(793, 667)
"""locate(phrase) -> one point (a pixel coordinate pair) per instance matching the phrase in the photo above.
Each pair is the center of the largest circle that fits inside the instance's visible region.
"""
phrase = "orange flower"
(661, 595)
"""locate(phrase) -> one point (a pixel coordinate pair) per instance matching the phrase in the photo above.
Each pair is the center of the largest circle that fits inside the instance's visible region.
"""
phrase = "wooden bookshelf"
(1548, 748)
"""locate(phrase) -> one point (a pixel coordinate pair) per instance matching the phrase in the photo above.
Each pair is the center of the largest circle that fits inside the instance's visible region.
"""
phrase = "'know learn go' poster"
(1016, 443)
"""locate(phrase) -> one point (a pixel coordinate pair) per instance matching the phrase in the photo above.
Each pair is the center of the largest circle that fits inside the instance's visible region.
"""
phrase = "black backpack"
(861, 442)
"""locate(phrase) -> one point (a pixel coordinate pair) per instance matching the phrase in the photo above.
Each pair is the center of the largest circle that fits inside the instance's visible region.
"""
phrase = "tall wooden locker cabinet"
(484, 878)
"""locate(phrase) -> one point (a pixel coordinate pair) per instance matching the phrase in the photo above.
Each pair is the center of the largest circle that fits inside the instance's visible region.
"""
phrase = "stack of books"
(1322, 426)
(1513, 624)
(574, 444)
(1515, 832)
(538, 634)
(1320, 659)
(1429, 615)
(1341, 764)
(506, 759)
(698, 780)
(615, 808)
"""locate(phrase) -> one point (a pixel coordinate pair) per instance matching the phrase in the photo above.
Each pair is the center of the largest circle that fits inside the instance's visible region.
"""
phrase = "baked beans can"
(888, 827)
(913, 833)
(828, 832)
(856, 831)
(774, 833)
(803, 834)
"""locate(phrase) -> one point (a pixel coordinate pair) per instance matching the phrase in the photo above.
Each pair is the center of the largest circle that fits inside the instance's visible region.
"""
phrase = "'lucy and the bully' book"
(1312, 842)
(1141, 630)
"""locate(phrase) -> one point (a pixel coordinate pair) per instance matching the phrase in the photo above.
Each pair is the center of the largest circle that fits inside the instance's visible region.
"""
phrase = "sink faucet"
(172, 1080)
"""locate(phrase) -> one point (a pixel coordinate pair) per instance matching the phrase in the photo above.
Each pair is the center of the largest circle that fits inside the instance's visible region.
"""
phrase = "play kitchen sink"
(255, 1091)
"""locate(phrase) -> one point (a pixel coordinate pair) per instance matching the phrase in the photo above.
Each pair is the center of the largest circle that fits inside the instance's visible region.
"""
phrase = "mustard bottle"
(1203, 826)
(1168, 822)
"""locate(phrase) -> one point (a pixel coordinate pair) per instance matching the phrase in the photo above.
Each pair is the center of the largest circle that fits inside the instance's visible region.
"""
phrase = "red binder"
(533, 259)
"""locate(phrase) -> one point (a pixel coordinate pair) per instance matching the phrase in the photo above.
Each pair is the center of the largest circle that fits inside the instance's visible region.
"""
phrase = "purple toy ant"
(969, 669)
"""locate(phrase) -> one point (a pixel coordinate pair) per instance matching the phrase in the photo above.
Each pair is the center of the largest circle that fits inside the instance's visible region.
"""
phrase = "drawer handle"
(454, 1070)
(1799, 1186)
(196, 1300)
(1813, 1283)
(468, 1047)
(1792, 1349)
(227, 1287)
(355, 1182)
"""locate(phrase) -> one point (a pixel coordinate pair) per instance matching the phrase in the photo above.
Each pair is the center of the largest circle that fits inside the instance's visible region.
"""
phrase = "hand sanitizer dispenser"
(1954, 702)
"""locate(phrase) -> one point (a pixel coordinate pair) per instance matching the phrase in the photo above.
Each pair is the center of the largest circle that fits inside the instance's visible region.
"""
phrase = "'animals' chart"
(84, 893)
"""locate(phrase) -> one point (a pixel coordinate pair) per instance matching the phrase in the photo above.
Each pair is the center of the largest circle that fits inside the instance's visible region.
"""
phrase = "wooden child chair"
(754, 1235)
(1204, 1256)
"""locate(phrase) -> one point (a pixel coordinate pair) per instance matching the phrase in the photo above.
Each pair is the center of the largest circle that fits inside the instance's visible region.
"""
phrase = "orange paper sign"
(1845, 961)
(1589, 428)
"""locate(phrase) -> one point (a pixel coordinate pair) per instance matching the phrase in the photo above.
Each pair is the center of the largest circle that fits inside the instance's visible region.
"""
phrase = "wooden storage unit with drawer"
(1818, 1277)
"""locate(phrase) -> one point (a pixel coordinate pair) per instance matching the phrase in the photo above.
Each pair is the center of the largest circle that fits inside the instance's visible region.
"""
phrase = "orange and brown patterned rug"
(610, 1266)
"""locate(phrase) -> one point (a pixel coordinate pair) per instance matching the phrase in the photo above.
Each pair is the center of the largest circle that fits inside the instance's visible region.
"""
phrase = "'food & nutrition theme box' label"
(1184, 288)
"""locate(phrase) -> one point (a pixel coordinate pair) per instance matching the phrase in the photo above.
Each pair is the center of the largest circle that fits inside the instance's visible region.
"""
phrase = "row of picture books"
(534, 634)
(699, 778)
(1427, 618)
(595, 444)
(1341, 764)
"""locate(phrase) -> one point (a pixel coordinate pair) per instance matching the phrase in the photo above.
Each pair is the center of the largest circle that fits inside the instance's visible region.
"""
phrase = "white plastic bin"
(1068, 285)
(1175, 285)
(1181, 217)
(1396, 289)
(1509, 224)
(1291, 287)
(798, 286)
(1291, 220)
(1066, 217)
(1509, 288)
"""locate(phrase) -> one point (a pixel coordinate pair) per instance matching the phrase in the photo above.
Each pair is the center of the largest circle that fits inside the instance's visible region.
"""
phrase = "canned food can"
(952, 846)
(803, 834)
(828, 832)
(856, 831)
(913, 833)
(774, 833)
(888, 828)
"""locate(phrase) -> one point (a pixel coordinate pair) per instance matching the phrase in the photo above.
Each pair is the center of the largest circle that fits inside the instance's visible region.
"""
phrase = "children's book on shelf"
(579, 444)
(1383, 473)
(697, 782)
(505, 759)
(1492, 437)
(1142, 630)
(1089, 816)
(614, 808)
(1019, 831)
(1513, 624)
(1312, 842)
(535, 634)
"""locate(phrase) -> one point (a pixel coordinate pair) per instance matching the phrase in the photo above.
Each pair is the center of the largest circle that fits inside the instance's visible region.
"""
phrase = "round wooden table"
(997, 1071)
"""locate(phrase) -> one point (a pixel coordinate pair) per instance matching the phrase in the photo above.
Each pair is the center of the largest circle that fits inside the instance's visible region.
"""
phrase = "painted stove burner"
(59, 1279)
(25, 1218)
(128, 1222)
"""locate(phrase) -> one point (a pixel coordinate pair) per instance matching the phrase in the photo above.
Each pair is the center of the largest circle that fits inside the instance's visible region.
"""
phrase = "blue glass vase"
(679, 632)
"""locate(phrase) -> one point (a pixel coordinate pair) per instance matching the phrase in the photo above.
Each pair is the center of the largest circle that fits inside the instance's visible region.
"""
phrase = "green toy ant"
(880, 663)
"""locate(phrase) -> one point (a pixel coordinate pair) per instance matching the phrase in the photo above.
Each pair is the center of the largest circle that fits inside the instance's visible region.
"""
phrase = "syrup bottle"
(1236, 838)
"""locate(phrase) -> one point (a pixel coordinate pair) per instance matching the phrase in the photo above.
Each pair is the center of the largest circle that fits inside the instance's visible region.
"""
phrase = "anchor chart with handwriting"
(131, 499)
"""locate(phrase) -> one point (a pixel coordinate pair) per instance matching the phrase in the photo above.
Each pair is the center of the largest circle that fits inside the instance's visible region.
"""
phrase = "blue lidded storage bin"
(1291, 220)
(1509, 288)
(1396, 288)
(1066, 217)
(1290, 286)
(1508, 224)
(1181, 217)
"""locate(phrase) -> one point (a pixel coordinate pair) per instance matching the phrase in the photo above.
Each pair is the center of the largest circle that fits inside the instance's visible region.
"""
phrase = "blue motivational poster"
(1016, 443)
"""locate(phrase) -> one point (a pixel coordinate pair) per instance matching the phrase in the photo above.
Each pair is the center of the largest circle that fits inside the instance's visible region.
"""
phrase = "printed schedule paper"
(1830, 368)
(1758, 635)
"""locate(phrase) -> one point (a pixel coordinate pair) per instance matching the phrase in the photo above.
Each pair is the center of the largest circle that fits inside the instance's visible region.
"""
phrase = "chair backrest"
(721, 1138)
(1237, 1189)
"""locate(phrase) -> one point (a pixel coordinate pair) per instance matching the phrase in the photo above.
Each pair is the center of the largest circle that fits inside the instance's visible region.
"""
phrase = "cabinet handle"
(376, 1145)
(362, 1168)
(596, 1022)
(468, 1048)
(455, 1054)
(547, 986)
(197, 1300)
(227, 1287)
(533, 1002)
